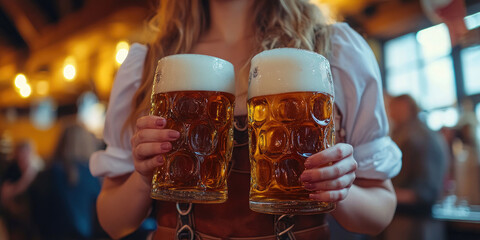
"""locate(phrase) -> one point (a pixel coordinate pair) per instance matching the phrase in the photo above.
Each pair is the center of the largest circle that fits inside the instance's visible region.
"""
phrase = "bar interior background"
(58, 59)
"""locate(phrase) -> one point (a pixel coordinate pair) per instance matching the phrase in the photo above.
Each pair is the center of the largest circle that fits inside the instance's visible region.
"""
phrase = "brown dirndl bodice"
(234, 219)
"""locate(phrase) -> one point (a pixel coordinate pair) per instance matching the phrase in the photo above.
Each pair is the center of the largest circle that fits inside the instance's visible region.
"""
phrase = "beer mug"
(290, 117)
(195, 94)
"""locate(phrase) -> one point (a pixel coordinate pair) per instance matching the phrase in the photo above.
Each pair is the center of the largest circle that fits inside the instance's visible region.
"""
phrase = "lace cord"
(185, 223)
(283, 225)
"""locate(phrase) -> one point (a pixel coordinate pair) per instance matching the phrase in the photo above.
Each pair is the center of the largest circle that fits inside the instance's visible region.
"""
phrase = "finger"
(150, 122)
(334, 171)
(333, 154)
(146, 167)
(329, 196)
(154, 135)
(147, 150)
(345, 181)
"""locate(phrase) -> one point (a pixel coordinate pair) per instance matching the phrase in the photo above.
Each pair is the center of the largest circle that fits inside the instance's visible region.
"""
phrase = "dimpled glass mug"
(290, 117)
(195, 94)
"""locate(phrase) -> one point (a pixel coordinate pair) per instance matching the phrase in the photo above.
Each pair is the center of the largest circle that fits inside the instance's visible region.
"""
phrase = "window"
(477, 111)
(471, 69)
(437, 119)
(472, 21)
(420, 64)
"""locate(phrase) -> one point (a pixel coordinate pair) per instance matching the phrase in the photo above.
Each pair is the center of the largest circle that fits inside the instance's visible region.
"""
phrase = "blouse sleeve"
(116, 159)
(359, 97)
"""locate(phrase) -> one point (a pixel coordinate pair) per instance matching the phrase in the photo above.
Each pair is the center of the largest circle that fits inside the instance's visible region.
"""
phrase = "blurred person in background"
(420, 183)
(465, 147)
(6, 152)
(66, 192)
(15, 190)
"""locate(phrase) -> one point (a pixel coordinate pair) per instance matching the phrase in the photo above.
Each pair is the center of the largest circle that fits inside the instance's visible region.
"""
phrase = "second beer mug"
(195, 93)
(290, 117)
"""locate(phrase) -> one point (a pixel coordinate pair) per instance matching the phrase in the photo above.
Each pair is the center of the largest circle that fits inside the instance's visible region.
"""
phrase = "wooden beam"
(27, 19)
(92, 12)
(394, 18)
(64, 7)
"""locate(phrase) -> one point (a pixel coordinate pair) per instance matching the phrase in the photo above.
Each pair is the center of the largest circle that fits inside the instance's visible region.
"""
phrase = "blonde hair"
(179, 24)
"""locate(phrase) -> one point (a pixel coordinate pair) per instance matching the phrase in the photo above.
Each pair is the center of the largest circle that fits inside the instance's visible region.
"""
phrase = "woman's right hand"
(149, 144)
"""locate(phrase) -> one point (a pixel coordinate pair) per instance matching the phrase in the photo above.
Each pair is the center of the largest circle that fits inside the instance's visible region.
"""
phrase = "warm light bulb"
(122, 52)
(20, 80)
(25, 91)
(69, 72)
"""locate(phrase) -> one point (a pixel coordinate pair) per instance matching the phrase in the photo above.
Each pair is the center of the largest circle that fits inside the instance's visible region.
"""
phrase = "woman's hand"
(329, 174)
(149, 144)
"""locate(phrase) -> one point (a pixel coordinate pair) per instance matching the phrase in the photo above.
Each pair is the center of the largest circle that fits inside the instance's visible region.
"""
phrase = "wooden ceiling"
(36, 35)
(34, 24)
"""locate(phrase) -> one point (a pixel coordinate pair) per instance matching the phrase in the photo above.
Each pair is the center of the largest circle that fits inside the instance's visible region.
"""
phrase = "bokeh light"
(122, 51)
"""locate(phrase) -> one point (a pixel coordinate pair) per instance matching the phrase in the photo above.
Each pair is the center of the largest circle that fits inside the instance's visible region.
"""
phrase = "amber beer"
(290, 117)
(195, 93)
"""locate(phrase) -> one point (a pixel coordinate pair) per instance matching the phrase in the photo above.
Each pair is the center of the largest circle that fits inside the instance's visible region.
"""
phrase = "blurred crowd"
(436, 165)
(54, 201)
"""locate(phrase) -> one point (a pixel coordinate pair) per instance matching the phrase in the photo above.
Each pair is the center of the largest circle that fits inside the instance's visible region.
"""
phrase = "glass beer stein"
(290, 117)
(195, 94)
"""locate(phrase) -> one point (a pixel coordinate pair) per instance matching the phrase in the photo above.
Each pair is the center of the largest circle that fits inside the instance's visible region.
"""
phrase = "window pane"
(472, 21)
(439, 85)
(471, 69)
(403, 82)
(434, 42)
(400, 51)
(477, 111)
(439, 118)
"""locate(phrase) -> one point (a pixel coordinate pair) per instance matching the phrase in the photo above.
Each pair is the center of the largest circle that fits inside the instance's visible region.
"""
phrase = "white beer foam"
(284, 70)
(194, 72)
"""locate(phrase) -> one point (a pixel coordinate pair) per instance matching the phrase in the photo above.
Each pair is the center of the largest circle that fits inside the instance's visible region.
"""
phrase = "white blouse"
(358, 96)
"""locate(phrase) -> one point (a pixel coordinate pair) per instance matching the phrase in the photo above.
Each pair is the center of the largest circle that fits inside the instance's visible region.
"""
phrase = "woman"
(235, 30)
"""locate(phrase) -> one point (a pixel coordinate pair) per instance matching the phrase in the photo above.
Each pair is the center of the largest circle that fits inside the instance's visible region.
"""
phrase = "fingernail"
(305, 177)
(173, 134)
(160, 158)
(160, 122)
(316, 196)
(308, 186)
(166, 146)
(307, 164)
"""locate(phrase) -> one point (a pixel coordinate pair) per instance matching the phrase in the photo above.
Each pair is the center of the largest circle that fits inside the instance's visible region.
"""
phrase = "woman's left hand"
(330, 173)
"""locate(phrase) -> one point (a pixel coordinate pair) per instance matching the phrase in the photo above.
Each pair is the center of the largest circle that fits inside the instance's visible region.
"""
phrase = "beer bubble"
(226, 143)
(273, 140)
(189, 106)
(177, 126)
(212, 170)
(288, 171)
(202, 138)
(289, 108)
(258, 111)
(182, 169)
(321, 107)
(158, 179)
(307, 139)
(160, 105)
(252, 141)
(219, 109)
(329, 140)
(263, 174)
